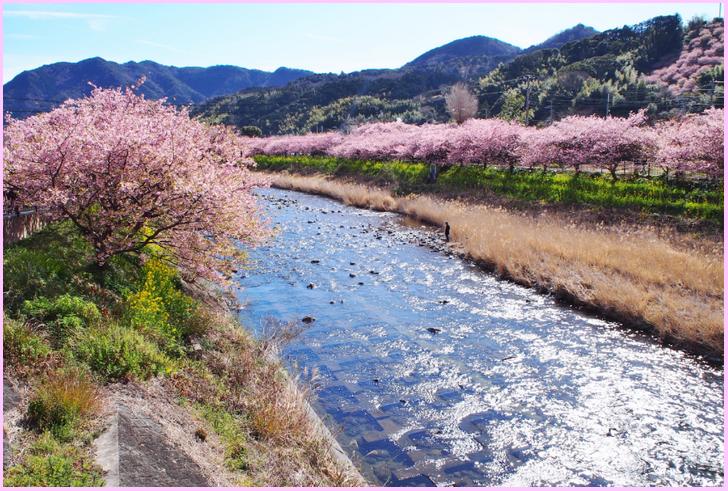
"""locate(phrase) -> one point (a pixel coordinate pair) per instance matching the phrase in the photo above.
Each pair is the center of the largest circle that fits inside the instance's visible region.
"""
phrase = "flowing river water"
(430, 371)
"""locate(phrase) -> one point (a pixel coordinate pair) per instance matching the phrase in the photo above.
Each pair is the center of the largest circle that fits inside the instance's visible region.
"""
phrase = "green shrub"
(43, 264)
(117, 352)
(49, 463)
(60, 400)
(20, 345)
(64, 315)
(122, 273)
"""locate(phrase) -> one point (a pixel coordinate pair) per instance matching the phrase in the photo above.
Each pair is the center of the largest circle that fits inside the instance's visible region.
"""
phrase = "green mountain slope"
(412, 93)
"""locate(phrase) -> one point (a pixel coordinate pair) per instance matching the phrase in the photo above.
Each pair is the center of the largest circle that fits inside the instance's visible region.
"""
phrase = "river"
(430, 371)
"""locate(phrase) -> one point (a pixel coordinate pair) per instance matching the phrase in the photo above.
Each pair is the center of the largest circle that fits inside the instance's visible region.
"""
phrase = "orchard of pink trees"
(130, 172)
(693, 144)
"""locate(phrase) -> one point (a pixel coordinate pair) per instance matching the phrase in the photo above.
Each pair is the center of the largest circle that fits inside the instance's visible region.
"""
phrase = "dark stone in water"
(434, 330)
(311, 286)
(373, 272)
(444, 301)
(315, 261)
(332, 302)
(376, 380)
(352, 275)
(352, 264)
(403, 401)
(361, 283)
(308, 319)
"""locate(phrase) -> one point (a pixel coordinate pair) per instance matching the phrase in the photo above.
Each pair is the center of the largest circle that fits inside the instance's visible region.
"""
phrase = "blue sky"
(319, 37)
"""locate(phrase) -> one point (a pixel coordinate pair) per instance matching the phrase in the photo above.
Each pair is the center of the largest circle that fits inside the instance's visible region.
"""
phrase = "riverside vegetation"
(70, 335)
(147, 209)
(687, 199)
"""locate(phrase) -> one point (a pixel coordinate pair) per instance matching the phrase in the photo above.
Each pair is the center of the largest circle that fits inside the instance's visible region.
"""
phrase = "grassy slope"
(66, 322)
(682, 199)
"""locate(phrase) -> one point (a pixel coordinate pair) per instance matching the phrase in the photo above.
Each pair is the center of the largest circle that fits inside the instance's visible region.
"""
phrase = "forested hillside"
(605, 74)
(412, 93)
(660, 65)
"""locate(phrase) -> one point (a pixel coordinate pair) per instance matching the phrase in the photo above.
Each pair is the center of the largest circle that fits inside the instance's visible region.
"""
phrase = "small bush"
(116, 352)
(65, 314)
(49, 463)
(60, 401)
(20, 345)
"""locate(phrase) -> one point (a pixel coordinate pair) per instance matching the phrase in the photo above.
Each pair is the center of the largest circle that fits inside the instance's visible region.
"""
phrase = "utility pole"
(528, 97)
(551, 111)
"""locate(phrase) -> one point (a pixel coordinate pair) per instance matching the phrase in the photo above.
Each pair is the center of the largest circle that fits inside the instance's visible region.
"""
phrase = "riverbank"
(104, 368)
(633, 275)
(694, 207)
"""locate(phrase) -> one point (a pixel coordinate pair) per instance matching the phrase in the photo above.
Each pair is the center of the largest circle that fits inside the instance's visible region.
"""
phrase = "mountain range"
(577, 71)
(43, 88)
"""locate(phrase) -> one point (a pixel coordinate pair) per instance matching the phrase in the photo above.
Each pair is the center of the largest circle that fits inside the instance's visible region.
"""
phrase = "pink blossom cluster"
(692, 144)
(574, 142)
(311, 144)
(130, 172)
(701, 53)
(579, 141)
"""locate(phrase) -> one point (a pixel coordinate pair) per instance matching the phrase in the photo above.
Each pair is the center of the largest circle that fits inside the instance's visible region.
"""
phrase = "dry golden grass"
(635, 277)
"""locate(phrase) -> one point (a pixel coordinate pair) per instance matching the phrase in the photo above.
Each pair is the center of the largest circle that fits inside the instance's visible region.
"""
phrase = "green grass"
(228, 428)
(116, 352)
(49, 462)
(691, 199)
(21, 345)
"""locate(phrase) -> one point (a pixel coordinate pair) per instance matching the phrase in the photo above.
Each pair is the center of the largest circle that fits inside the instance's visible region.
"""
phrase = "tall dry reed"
(638, 278)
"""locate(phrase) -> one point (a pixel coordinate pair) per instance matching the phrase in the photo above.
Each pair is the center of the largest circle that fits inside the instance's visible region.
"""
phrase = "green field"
(685, 198)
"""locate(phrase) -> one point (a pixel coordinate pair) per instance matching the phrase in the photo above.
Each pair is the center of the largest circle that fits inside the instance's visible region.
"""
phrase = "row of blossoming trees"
(131, 172)
(691, 145)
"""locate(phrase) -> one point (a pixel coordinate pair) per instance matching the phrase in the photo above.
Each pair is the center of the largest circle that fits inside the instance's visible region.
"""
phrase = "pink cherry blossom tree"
(130, 172)
(693, 143)
(690, 144)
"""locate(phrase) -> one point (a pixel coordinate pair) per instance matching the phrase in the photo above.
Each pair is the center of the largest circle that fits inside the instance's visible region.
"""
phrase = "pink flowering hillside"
(702, 51)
